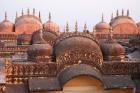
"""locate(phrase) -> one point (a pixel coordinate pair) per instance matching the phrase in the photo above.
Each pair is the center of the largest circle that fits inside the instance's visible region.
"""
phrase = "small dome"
(39, 51)
(102, 25)
(24, 39)
(50, 37)
(51, 26)
(112, 50)
(6, 26)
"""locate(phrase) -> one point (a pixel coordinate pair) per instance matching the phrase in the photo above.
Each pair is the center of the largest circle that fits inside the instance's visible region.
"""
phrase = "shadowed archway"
(78, 70)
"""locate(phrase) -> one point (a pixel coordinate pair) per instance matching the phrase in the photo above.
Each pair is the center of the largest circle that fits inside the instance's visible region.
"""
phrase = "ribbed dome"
(24, 39)
(51, 26)
(28, 24)
(112, 50)
(39, 51)
(77, 47)
(124, 25)
(6, 26)
(121, 20)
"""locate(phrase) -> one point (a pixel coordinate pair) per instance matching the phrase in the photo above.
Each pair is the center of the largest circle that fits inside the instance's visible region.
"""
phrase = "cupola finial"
(117, 13)
(22, 12)
(5, 15)
(85, 27)
(128, 12)
(122, 12)
(76, 27)
(102, 17)
(112, 16)
(28, 11)
(67, 27)
(39, 15)
(16, 15)
(33, 11)
(94, 32)
(49, 16)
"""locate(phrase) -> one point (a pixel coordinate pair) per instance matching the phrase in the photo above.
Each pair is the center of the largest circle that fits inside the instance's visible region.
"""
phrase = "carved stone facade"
(19, 73)
(54, 58)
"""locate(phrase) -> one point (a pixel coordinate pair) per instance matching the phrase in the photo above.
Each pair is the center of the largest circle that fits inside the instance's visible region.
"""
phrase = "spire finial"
(16, 15)
(64, 30)
(102, 17)
(112, 16)
(117, 13)
(22, 12)
(39, 15)
(33, 11)
(122, 12)
(111, 33)
(128, 12)
(28, 11)
(49, 16)
(94, 32)
(5, 15)
(85, 27)
(76, 27)
(67, 27)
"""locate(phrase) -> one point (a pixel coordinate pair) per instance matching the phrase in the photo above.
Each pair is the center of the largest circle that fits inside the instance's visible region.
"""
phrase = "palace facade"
(39, 58)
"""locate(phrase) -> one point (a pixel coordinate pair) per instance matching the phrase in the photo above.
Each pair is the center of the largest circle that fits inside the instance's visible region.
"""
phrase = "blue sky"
(88, 11)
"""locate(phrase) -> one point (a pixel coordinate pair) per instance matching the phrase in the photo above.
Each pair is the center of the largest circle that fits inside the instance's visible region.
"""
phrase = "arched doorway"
(89, 84)
(82, 84)
(83, 78)
(86, 84)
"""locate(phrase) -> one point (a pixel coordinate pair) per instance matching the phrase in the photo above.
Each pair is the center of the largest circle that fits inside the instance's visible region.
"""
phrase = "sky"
(82, 11)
